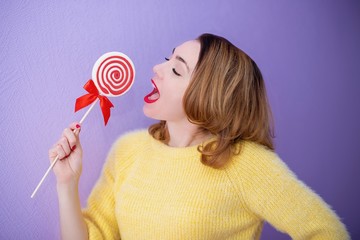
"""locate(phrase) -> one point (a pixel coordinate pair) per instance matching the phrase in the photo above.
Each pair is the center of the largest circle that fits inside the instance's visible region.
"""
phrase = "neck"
(186, 134)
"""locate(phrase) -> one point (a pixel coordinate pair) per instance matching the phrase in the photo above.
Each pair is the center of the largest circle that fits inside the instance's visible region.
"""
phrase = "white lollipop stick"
(57, 157)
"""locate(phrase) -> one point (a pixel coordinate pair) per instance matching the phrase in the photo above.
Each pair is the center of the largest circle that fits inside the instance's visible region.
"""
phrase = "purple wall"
(308, 52)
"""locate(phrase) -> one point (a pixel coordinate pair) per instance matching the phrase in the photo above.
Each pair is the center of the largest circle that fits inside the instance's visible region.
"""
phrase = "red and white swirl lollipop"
(113, 74)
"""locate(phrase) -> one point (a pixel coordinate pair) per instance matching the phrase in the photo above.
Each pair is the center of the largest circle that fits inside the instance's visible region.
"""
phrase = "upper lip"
(154, 85)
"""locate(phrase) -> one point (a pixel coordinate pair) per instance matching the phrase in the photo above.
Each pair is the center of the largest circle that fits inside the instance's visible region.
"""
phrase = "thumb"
(75, 127)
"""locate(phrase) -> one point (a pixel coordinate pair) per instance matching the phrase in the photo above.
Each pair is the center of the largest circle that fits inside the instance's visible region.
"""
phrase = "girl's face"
(171, 79)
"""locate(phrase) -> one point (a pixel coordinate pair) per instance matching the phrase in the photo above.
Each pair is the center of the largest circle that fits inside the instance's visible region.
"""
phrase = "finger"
(60, 152)
(75, 126)
(70, 137)
(52, 153)
(63, 142)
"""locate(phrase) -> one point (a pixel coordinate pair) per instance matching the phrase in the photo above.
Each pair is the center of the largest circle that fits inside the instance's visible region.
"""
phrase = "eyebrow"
(181, 60)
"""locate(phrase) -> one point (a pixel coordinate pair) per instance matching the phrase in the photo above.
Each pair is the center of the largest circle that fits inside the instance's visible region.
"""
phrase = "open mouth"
(154, 95)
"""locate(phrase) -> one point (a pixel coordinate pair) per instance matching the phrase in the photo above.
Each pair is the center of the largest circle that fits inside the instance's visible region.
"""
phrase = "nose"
(158, 70)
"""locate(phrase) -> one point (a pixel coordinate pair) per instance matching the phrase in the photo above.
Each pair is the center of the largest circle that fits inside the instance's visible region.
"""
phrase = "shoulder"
(126, 146)
(253, 152)
(257, 161)
(134, 135)
(258, 173)
(132, 139)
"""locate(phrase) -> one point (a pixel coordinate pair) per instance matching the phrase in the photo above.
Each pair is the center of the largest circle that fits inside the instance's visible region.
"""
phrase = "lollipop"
(112, 75)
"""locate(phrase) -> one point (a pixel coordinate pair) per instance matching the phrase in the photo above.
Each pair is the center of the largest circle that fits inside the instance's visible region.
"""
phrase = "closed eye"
(174, 70)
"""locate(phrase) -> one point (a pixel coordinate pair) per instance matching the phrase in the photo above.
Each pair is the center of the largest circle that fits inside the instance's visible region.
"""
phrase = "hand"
(69, 166)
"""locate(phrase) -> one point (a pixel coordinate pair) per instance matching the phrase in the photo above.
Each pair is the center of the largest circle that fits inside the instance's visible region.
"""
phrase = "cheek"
(181, 88)
(174, 89)
(172, 101)
(174, 97)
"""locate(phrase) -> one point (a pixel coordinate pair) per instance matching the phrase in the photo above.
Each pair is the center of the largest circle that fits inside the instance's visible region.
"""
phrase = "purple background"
(308, 52)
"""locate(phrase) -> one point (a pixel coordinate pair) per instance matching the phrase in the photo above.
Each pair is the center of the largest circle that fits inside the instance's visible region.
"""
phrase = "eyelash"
(174, 71)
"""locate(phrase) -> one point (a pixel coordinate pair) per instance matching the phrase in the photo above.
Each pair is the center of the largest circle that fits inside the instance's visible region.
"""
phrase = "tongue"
(154, 96)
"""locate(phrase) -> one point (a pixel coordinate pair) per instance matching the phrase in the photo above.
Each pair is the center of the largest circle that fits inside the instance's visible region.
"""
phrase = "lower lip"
(147, 97)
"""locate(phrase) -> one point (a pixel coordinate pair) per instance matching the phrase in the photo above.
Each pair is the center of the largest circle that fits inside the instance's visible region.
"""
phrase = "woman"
(207, 170)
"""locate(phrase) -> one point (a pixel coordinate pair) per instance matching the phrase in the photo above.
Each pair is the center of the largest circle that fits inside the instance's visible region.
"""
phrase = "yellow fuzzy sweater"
(149, 190)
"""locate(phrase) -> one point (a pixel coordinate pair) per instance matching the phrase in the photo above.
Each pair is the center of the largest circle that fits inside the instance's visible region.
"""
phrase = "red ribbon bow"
(87, 99)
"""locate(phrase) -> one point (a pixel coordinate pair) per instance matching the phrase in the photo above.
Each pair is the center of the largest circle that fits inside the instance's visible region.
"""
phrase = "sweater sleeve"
(99, 214)
(272, 191)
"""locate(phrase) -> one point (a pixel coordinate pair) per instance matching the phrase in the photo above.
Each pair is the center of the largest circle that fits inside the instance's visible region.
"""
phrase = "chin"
(150, 113)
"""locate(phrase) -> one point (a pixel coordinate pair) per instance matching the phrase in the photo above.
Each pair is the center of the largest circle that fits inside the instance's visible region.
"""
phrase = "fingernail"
(73, 148)
(77, 125)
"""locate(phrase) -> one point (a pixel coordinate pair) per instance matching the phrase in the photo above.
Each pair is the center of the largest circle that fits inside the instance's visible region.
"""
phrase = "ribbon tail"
(105, 106)
(84, 101)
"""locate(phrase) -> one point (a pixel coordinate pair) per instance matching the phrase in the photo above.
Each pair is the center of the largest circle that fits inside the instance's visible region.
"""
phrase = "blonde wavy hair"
(226, 97)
